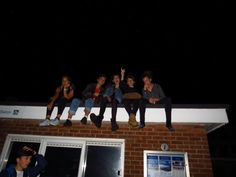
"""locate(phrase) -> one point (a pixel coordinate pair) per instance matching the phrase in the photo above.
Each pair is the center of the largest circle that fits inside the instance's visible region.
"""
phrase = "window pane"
(103, 161)
(62, 162)
(15, 146)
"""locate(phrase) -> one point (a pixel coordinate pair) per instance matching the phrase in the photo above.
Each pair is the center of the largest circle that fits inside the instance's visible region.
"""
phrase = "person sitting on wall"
(21, 168)
(62, 96)
(91, 95)
(153, 94)
(131, 97)
(111, 95)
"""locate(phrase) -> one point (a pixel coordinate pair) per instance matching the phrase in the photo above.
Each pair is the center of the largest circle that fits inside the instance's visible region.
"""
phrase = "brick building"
(192, 123)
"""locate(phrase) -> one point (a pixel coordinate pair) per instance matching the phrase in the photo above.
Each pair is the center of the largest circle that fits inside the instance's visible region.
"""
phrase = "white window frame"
(61, 141)
(146, 152)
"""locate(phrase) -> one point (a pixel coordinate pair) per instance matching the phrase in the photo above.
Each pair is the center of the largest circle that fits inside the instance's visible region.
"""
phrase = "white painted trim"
(185, 115)
(215, 116)
(5, 153)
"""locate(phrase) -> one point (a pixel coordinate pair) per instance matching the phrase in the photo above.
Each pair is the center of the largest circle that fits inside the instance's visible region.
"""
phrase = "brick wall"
(186, 138)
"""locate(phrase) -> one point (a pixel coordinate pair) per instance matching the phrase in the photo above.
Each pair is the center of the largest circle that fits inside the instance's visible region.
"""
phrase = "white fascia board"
(155, 115)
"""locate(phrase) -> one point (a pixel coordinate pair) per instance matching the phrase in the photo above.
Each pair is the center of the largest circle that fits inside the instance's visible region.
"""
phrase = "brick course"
(186, 138)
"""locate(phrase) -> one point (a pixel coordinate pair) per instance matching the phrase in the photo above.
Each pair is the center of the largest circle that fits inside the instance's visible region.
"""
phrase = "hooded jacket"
(28, 172)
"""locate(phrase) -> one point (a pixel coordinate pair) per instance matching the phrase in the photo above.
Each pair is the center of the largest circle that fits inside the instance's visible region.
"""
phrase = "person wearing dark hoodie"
(21, 168)
(131, 97)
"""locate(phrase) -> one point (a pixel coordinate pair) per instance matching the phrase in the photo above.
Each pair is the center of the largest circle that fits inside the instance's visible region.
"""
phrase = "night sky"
(187, 50)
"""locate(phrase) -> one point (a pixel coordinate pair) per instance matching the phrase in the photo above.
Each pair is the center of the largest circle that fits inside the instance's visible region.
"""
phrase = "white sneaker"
(46, 122)
(55, 122)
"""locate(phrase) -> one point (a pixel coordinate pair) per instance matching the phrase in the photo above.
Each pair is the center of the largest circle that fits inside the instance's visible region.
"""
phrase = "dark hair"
(68, 77)
(101, 75)
(130, 77)
(147, 74)
(112, 77)
(22, 152)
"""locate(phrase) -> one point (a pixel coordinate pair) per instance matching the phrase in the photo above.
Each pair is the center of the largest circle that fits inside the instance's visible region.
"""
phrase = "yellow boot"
(132, 121)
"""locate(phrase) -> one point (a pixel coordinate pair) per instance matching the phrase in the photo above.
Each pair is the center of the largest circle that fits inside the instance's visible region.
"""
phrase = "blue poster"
(165, 163)
(178, 162)
(152, 166)
(152, 162)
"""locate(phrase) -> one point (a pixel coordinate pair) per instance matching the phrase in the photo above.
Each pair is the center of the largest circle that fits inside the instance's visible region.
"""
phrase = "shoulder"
(8, 171)
(92, 85)
(157, 85)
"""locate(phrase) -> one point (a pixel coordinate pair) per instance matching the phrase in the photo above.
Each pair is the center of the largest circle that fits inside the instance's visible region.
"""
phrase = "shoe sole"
(54, 124)
(44, 125)
(67, 125)
(84, 123)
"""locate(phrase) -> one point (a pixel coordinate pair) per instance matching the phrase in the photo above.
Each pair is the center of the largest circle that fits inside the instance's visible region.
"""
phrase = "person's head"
(66, 80)
(101, 79)
(130, 80)
(147, 77)
(116, 79)
(23, 158)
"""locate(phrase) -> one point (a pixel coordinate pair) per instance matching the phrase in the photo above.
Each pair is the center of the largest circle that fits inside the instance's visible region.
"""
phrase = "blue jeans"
(76, 102)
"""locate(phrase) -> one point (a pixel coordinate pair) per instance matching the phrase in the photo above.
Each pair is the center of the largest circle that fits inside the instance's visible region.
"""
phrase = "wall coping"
(212, 116)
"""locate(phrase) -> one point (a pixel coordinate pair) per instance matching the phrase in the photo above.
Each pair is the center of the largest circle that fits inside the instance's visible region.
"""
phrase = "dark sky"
(185, 44)
(185, 49)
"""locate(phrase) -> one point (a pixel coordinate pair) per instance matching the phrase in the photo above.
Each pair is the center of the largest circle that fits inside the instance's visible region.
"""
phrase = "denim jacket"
(111, 90)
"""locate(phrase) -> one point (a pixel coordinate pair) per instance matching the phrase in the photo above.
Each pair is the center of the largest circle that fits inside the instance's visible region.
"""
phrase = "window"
(103, 161)
(165, 163)
(70, 157)
(66, 163)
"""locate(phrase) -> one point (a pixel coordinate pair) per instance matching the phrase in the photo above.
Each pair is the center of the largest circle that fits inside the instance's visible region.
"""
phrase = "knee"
(75, 101)
(49, 107)
(114, 102)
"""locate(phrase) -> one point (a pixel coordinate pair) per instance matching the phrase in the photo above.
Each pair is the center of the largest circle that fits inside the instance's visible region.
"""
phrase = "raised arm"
(41, 164)
(123, 84)
(122, 73)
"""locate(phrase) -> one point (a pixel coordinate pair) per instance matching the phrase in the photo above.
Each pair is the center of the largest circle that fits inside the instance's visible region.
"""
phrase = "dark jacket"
(156, 92)
(126, 89)
(90, 90)
(113, 92)
(28, 172)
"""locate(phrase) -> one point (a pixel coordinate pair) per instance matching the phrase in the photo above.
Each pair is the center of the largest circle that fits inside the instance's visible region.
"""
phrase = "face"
(130, 82)
(65, 81)
(101, 80)
(116, 79)
(147, 80)
(23, 161)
